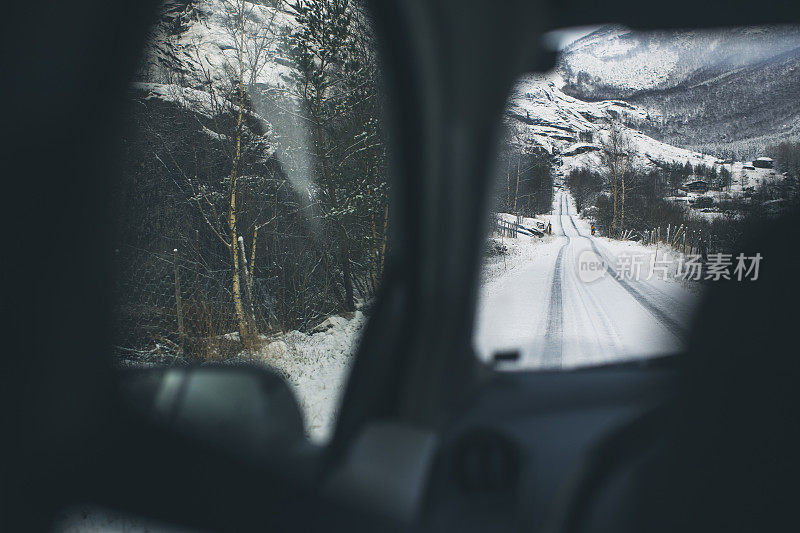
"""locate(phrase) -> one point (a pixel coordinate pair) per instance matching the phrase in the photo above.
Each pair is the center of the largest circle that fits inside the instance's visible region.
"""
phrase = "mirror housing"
(246, 411)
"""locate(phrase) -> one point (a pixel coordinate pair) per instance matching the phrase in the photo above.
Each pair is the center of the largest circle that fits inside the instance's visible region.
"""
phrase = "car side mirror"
(242, 410)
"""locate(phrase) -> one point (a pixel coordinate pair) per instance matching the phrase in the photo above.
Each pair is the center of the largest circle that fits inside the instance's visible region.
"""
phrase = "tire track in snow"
(672, 325)
(554, 329)
(605, 330)
(587, 311)
(552, 354)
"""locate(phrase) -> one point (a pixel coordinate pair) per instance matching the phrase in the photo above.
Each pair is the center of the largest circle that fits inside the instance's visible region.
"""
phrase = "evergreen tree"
(336, 83)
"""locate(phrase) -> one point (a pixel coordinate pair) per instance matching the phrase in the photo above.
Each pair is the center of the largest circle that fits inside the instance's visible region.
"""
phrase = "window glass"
(624, 178)
(252, 212)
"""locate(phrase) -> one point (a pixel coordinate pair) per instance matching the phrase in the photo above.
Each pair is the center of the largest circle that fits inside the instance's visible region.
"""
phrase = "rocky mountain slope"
(195, 42)
(191, 67)
(573, 130)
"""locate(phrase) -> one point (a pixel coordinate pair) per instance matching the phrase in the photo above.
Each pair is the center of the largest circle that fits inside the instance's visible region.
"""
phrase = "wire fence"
(682, 239)
(170, 307)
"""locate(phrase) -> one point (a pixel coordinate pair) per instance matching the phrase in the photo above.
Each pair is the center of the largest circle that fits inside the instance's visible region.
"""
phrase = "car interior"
(428, 437)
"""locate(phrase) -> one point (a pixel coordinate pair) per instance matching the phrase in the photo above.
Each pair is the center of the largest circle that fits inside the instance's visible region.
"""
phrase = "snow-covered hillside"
(191, 67)
(617, 61)
(573, 130)
(198, 40)
(730, 91)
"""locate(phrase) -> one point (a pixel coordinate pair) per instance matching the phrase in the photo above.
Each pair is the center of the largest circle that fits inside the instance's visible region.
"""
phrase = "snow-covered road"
(557, 317)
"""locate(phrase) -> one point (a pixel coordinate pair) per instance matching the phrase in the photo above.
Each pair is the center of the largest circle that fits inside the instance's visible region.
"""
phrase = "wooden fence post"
(196, 264)
(676, 236)
(700, 244)
(178, 303)
(248, 282)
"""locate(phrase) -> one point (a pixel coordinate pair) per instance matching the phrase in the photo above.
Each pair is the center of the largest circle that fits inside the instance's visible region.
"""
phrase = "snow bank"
(316, 365)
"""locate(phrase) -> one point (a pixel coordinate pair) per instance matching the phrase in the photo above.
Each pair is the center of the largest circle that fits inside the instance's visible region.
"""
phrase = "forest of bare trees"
(647, 206)
(616, 154)
(787, 157)
(524, 180)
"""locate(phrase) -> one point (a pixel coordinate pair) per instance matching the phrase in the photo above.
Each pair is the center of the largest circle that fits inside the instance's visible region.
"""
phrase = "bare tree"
(616, 153)
(230, 98)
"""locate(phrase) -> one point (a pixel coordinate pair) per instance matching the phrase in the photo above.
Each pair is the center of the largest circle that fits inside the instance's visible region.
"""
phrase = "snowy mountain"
(615, 62)
(715, 90)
